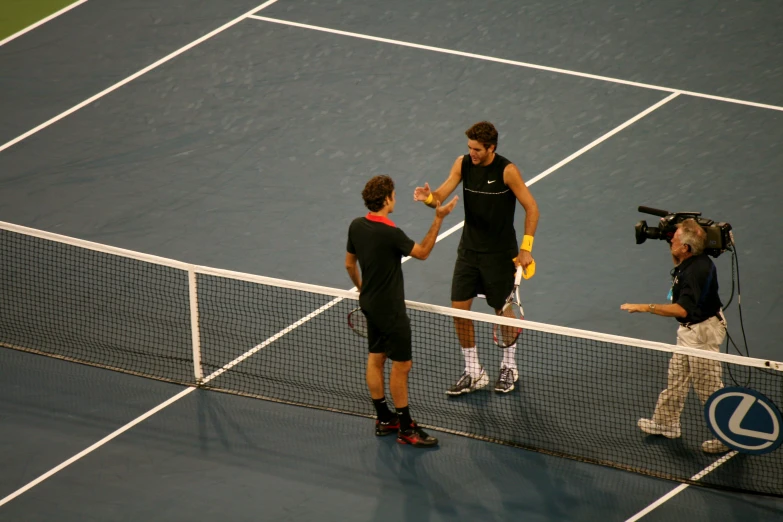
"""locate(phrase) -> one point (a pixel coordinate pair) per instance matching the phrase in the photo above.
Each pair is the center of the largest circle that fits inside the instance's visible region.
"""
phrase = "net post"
(194, 325)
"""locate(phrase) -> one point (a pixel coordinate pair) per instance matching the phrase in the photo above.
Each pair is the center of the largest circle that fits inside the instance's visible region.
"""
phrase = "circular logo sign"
(744, 420)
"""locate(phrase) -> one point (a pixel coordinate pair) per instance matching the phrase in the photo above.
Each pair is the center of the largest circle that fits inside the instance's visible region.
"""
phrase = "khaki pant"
(705, 374)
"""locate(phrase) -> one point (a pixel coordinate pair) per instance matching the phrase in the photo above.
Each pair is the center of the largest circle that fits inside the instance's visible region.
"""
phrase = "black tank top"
(489, 207)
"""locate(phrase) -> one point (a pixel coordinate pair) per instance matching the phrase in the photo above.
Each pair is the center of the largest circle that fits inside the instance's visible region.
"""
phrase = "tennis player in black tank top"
(488, 250)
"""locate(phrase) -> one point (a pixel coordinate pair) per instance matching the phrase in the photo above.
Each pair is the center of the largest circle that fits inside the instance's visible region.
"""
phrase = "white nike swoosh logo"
(488, 182)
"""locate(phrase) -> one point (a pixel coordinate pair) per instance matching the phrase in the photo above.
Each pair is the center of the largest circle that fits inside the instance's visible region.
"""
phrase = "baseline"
(517, 63)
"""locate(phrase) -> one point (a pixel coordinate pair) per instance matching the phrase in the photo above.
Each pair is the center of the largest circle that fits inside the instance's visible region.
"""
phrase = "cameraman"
(696, 305)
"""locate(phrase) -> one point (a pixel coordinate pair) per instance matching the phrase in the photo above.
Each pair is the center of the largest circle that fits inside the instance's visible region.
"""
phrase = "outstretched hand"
(633, 308)
(443, 211)
(422, 193)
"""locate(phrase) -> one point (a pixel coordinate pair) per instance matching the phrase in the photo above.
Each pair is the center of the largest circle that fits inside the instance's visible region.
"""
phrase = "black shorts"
(392, 337)
(480, 273)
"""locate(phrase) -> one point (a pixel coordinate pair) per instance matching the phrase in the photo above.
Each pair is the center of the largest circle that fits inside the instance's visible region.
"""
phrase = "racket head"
(358, 322)
(506, 336)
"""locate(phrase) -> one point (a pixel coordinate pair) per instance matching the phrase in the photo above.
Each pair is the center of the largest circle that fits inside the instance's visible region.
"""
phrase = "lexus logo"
(744, 420)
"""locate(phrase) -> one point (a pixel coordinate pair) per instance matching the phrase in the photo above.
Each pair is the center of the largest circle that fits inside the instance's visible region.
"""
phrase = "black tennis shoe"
(387, 428)
(416, 437)
(467, 384)
(506, 380)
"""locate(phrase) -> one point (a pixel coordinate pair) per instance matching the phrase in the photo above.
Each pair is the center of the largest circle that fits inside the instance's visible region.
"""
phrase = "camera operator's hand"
(666, 310)
(635, 308)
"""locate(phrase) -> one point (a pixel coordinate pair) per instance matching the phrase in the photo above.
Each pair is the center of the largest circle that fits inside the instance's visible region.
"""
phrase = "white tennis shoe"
(651, 427)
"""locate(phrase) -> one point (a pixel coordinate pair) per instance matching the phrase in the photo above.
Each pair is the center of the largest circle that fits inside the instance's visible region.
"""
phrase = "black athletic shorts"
(481, 273)
(391, 336)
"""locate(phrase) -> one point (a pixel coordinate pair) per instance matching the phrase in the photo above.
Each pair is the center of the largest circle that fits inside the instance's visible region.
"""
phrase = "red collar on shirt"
(380, 219)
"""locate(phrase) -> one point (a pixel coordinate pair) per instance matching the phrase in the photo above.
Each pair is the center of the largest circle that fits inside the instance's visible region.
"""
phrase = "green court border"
(16, 15)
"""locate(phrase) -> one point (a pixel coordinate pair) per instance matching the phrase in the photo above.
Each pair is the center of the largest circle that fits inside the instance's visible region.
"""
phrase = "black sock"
(384, 415)
(405, 418)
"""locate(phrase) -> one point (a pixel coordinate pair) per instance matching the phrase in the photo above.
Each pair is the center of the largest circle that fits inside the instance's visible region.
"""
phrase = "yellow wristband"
(429, 199)
(527, 243)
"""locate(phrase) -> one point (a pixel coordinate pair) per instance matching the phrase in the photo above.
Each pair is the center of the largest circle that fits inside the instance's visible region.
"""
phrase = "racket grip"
(518, 275)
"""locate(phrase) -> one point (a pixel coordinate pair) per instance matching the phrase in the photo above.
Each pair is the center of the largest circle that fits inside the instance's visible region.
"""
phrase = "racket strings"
(358, 322)
(506, 336)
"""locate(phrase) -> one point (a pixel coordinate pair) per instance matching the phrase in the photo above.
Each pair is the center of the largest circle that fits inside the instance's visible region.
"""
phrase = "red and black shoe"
(387, 428)
(416, 437)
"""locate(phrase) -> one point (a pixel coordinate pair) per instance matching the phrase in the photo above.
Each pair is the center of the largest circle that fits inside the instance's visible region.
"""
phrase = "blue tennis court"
(238, 135)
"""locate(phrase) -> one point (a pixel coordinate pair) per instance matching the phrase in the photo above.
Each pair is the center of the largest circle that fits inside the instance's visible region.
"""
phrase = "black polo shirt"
(380, 246)
(695, 288)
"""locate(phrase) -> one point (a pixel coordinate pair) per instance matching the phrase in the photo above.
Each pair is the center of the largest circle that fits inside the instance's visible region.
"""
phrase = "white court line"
(274, 338)
(41, 22)
(251, 14)
(578, 153)
(679, 489)
(97, 445)
(605, 137)
(135, 75)
(517, 63)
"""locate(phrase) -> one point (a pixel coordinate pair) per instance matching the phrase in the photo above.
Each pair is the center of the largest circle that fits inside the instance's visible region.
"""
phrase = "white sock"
(472, 365)
(509, 357)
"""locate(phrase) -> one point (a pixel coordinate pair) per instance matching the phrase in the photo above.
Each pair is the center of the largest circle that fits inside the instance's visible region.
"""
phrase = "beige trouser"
(705, 374)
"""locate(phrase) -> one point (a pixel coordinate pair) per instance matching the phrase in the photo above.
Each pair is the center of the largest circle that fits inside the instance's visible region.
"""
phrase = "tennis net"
(579, 393)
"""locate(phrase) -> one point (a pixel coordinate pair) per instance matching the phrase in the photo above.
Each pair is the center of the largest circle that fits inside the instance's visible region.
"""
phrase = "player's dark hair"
(483, 132)
(376, 191)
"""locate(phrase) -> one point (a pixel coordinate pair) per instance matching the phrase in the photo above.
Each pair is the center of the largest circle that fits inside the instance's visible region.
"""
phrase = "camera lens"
(654, 233)
(641, 232)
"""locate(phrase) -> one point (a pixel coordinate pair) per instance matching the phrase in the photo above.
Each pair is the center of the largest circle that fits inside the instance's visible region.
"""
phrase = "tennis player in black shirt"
(379, 246)
(488, 250)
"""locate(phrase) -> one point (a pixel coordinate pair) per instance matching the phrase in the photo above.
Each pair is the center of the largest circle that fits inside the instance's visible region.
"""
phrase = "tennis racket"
(506, 336)
(358, 322)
